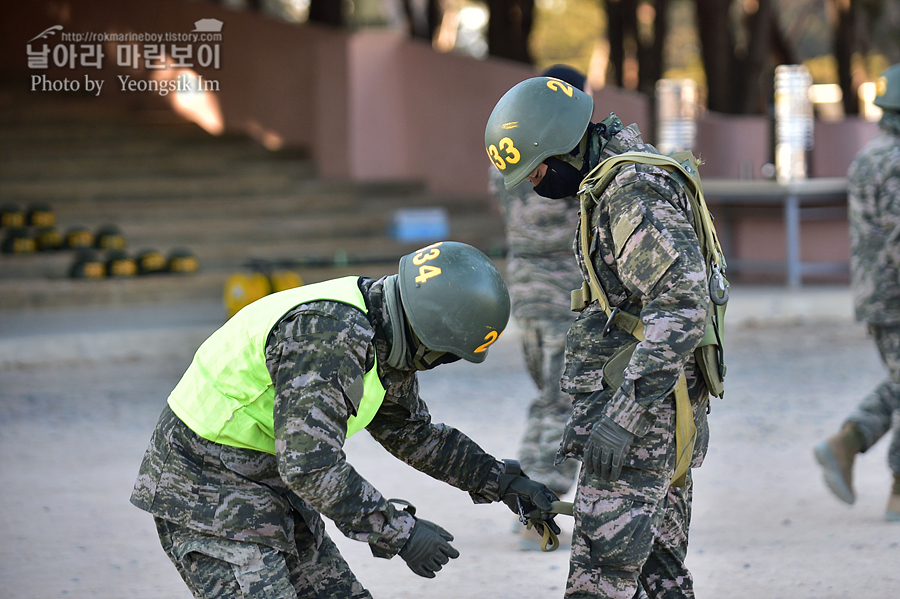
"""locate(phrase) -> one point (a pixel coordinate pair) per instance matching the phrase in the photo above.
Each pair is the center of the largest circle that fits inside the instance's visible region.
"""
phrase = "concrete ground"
(80, 391)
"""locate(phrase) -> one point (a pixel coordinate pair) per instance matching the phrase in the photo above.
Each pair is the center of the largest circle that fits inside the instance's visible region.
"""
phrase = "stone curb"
(748, 307)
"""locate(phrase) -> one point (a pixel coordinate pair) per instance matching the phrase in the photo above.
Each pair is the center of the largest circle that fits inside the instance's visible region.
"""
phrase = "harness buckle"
(522, 517)
(718, 287)
(609, 322)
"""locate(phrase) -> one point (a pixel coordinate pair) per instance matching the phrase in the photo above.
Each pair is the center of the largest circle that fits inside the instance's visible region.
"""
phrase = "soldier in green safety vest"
(630, 353)
(247, 455)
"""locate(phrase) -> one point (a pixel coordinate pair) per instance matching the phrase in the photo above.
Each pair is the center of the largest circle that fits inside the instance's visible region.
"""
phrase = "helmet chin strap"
(404, 339)
(426, 359)
(399, 356)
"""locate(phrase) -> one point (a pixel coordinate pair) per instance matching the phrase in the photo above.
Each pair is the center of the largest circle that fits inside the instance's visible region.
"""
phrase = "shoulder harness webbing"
(709, 352)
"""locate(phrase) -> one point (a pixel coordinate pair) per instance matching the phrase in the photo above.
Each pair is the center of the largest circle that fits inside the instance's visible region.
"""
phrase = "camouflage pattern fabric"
(647, 257)
(540, 274)
(314, 354)
(215, 568)
(639, 525)
(874, 198)
(873, 193)
(544, 344)
(540, 270)
(875, 414)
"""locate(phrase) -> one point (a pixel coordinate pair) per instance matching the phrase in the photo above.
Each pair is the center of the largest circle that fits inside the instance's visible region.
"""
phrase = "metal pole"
(792, 235)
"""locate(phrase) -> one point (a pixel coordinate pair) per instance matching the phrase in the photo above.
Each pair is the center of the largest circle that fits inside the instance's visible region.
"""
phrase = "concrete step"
(130, 144)
(167, 184)
(129, 186)
(161, 289)
(111, 162)
(231, 244)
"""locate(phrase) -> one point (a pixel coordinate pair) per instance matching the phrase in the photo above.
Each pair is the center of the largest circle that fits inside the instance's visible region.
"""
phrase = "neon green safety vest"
(227, 396)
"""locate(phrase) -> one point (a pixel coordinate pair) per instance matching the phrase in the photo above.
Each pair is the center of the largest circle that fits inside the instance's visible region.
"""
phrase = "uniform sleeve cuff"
(628, 413)
(490, 492)
(394, 536)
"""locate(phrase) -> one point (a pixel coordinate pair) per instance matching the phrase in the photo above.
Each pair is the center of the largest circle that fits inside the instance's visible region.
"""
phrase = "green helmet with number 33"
(887, 89)
(455, 299)
(537, 118)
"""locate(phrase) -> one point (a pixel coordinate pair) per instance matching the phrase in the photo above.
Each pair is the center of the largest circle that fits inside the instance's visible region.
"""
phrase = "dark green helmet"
(454, 298)
(538, 118)
(887, 89)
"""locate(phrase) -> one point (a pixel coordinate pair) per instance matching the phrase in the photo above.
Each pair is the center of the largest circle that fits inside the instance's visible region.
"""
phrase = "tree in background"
(423, 24)
(326, 12)
(636, 33)
(509, 28)
(863, 28)
(741, 45)
(738, 42)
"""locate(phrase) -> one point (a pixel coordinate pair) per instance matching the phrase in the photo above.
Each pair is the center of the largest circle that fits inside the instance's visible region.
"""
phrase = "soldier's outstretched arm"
(313, 359)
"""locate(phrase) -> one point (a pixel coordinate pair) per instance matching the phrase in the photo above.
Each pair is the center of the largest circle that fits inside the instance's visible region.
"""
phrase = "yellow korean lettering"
(426, 271)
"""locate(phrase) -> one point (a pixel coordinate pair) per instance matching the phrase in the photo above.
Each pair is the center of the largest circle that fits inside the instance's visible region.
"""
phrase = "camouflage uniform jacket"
(647, 257)
(540, 269)
(874, 198)
(314, 354)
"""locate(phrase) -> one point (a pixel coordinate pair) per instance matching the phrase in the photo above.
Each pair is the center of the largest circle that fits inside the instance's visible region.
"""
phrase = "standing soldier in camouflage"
(874, 197)
(631, 525)
(247, 455)
(541, 272)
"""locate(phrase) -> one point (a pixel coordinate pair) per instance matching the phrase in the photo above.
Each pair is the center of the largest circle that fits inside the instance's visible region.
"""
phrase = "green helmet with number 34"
(455, 299)
(537, 118)
(887, 89)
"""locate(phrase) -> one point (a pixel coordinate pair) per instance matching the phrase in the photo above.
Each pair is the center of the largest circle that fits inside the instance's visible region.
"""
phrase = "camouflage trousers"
(217, 568)
(544, 345)
(632, 534)
(880, 409)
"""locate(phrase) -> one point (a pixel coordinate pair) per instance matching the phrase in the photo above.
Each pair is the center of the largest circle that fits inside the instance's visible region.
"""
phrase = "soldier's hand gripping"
(525, 496)
(428, 549)
(605, 450)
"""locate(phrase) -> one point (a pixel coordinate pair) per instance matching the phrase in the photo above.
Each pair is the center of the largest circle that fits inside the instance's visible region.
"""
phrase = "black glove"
(604, 452)
(519, 491)
(427, 549)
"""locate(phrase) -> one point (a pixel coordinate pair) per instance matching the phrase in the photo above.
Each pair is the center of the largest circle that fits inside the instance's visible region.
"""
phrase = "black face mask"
(562, 180)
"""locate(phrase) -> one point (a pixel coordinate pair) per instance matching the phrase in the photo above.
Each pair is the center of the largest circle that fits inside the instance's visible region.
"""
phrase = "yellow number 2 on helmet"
(489, 340)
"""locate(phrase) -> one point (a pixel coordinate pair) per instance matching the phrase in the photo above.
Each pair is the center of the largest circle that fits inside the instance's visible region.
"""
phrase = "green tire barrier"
(87, 265)
(120, 265)
(109, 237)
(40, 215)
(17, 241)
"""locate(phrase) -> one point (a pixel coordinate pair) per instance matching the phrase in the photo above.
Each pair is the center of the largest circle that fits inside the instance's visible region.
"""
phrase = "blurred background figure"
(541, 272)
(874, 199)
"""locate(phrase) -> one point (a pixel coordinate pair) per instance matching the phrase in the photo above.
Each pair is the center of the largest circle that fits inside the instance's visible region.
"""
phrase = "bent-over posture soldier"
(247, 456)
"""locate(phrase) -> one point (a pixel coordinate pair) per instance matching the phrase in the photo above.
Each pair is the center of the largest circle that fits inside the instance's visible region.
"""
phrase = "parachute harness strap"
(596, 182)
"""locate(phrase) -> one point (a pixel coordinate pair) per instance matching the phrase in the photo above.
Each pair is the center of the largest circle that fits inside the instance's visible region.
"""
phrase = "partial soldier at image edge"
(874, 211)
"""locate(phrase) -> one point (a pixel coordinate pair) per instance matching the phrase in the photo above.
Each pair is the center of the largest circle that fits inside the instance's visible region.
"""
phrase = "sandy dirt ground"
(72, 434)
